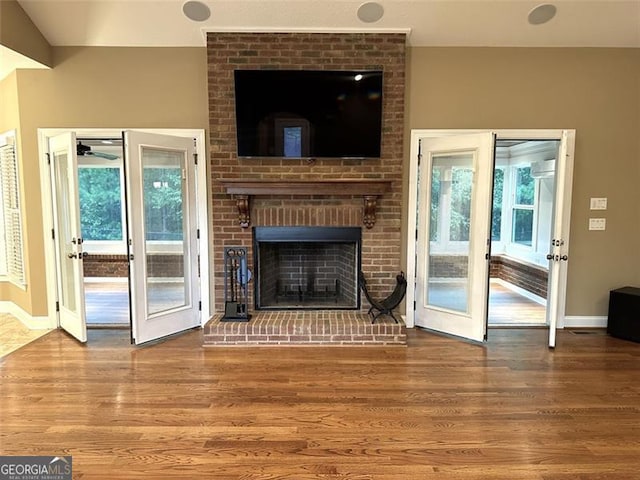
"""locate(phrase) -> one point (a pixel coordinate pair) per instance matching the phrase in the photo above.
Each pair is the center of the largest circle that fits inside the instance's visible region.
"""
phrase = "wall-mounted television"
(308, 113)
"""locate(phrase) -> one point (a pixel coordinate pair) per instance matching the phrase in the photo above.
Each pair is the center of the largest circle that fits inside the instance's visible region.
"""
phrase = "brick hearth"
(324, 328)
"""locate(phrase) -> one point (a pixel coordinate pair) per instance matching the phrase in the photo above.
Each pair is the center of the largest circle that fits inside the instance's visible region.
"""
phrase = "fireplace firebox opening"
(300, 268)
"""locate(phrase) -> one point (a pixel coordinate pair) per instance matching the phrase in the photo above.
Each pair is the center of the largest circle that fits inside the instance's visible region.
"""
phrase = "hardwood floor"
(507, 307)
(14, 334)
(107, 302)
(439, 409)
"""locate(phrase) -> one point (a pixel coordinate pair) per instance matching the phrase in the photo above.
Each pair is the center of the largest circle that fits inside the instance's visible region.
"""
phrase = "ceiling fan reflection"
(84, 150)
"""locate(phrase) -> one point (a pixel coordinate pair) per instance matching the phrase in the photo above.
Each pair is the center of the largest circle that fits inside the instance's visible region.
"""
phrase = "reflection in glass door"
(162, 237)
(67, 236)
(451, 193)
(67, 240)
(164, 204)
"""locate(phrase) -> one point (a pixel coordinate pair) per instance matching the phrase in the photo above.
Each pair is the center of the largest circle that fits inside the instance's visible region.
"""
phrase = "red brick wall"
(158, 265)
(524, 275)
(331, 51)
(532, 278)
(105, 266)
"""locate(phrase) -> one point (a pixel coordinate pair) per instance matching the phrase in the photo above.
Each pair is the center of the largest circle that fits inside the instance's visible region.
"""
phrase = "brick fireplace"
(327, 198)
(300, 268)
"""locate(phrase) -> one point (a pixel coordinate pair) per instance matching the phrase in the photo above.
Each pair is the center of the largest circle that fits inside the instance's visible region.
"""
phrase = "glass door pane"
(66, 243)
(67, 237)
(166, 247)
(163, 245)
(453, 228)
(451, 193)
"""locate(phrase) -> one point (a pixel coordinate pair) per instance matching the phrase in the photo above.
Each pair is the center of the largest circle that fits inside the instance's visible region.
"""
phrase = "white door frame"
(203, 195)
(412, 201)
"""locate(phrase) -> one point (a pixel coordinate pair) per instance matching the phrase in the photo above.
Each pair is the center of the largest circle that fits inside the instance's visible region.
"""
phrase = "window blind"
(11, 214)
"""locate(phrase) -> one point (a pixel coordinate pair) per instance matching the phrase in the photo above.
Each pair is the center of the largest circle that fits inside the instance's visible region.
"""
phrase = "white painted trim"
(106, 280)
(47, 226)
(206, 265)
(405, 30)
(580, 321)
(29, 321)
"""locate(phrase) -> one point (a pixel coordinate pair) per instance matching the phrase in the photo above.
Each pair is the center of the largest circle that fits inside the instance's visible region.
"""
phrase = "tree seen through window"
(100, 203)
(163, 203)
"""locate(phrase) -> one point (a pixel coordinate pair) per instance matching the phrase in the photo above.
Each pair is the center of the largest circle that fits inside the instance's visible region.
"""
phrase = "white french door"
(421, 233)
(559, 255)
(162, 240)
(453, 225)
(67, 234)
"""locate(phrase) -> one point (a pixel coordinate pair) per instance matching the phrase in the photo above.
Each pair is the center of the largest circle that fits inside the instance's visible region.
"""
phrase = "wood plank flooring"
(507, 307)
(108, 303)
(439, 409)
(14, 334)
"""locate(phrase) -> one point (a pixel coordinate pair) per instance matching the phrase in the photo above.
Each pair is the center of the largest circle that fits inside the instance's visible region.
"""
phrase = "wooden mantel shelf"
(370, 190)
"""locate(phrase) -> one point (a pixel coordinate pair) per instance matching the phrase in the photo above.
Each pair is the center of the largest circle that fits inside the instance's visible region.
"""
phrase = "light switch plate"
(597, 224)
(598, 203)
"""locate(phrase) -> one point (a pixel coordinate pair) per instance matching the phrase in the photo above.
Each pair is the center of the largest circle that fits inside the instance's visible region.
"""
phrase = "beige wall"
(10, 120)
(9, 115)
(102, 88)
(596, 92)
(18, 33)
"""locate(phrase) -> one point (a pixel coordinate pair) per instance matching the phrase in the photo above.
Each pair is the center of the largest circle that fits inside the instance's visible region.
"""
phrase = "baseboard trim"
(28, 320)
(521, 291)
(579, 321)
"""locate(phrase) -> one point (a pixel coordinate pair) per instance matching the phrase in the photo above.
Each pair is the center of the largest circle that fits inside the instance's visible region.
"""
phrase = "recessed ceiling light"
(196, 11)
(542, 14)
(370, 12)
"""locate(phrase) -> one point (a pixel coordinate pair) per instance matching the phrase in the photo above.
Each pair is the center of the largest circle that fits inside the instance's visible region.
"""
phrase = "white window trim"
(107, 247)
(119, 247)
(14, 268)
(513, 206)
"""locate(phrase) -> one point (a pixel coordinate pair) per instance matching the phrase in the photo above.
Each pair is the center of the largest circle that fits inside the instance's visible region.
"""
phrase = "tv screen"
(308, 113)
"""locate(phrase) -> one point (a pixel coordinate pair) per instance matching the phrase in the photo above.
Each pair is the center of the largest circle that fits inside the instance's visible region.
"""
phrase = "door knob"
(72, 255)
(549, 256)
(564, 257)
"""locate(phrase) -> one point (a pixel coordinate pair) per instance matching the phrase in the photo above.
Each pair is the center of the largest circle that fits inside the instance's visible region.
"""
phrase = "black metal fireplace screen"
(307, 267)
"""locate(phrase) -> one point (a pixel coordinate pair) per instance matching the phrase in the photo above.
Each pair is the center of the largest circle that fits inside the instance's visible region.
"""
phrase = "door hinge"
(414, 305)
(195, 158)
(53, 234)
(57, 306)
(200, 305)
(48, 158)
(198, 234)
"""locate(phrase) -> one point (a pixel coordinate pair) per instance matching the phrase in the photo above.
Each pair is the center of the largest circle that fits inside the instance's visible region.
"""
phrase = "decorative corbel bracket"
(242, 202)
(369, 211)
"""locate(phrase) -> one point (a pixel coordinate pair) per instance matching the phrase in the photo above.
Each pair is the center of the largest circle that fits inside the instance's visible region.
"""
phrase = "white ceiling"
(578, 23)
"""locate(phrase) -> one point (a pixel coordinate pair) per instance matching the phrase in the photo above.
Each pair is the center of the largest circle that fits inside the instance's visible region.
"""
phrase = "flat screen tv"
(308, 113)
